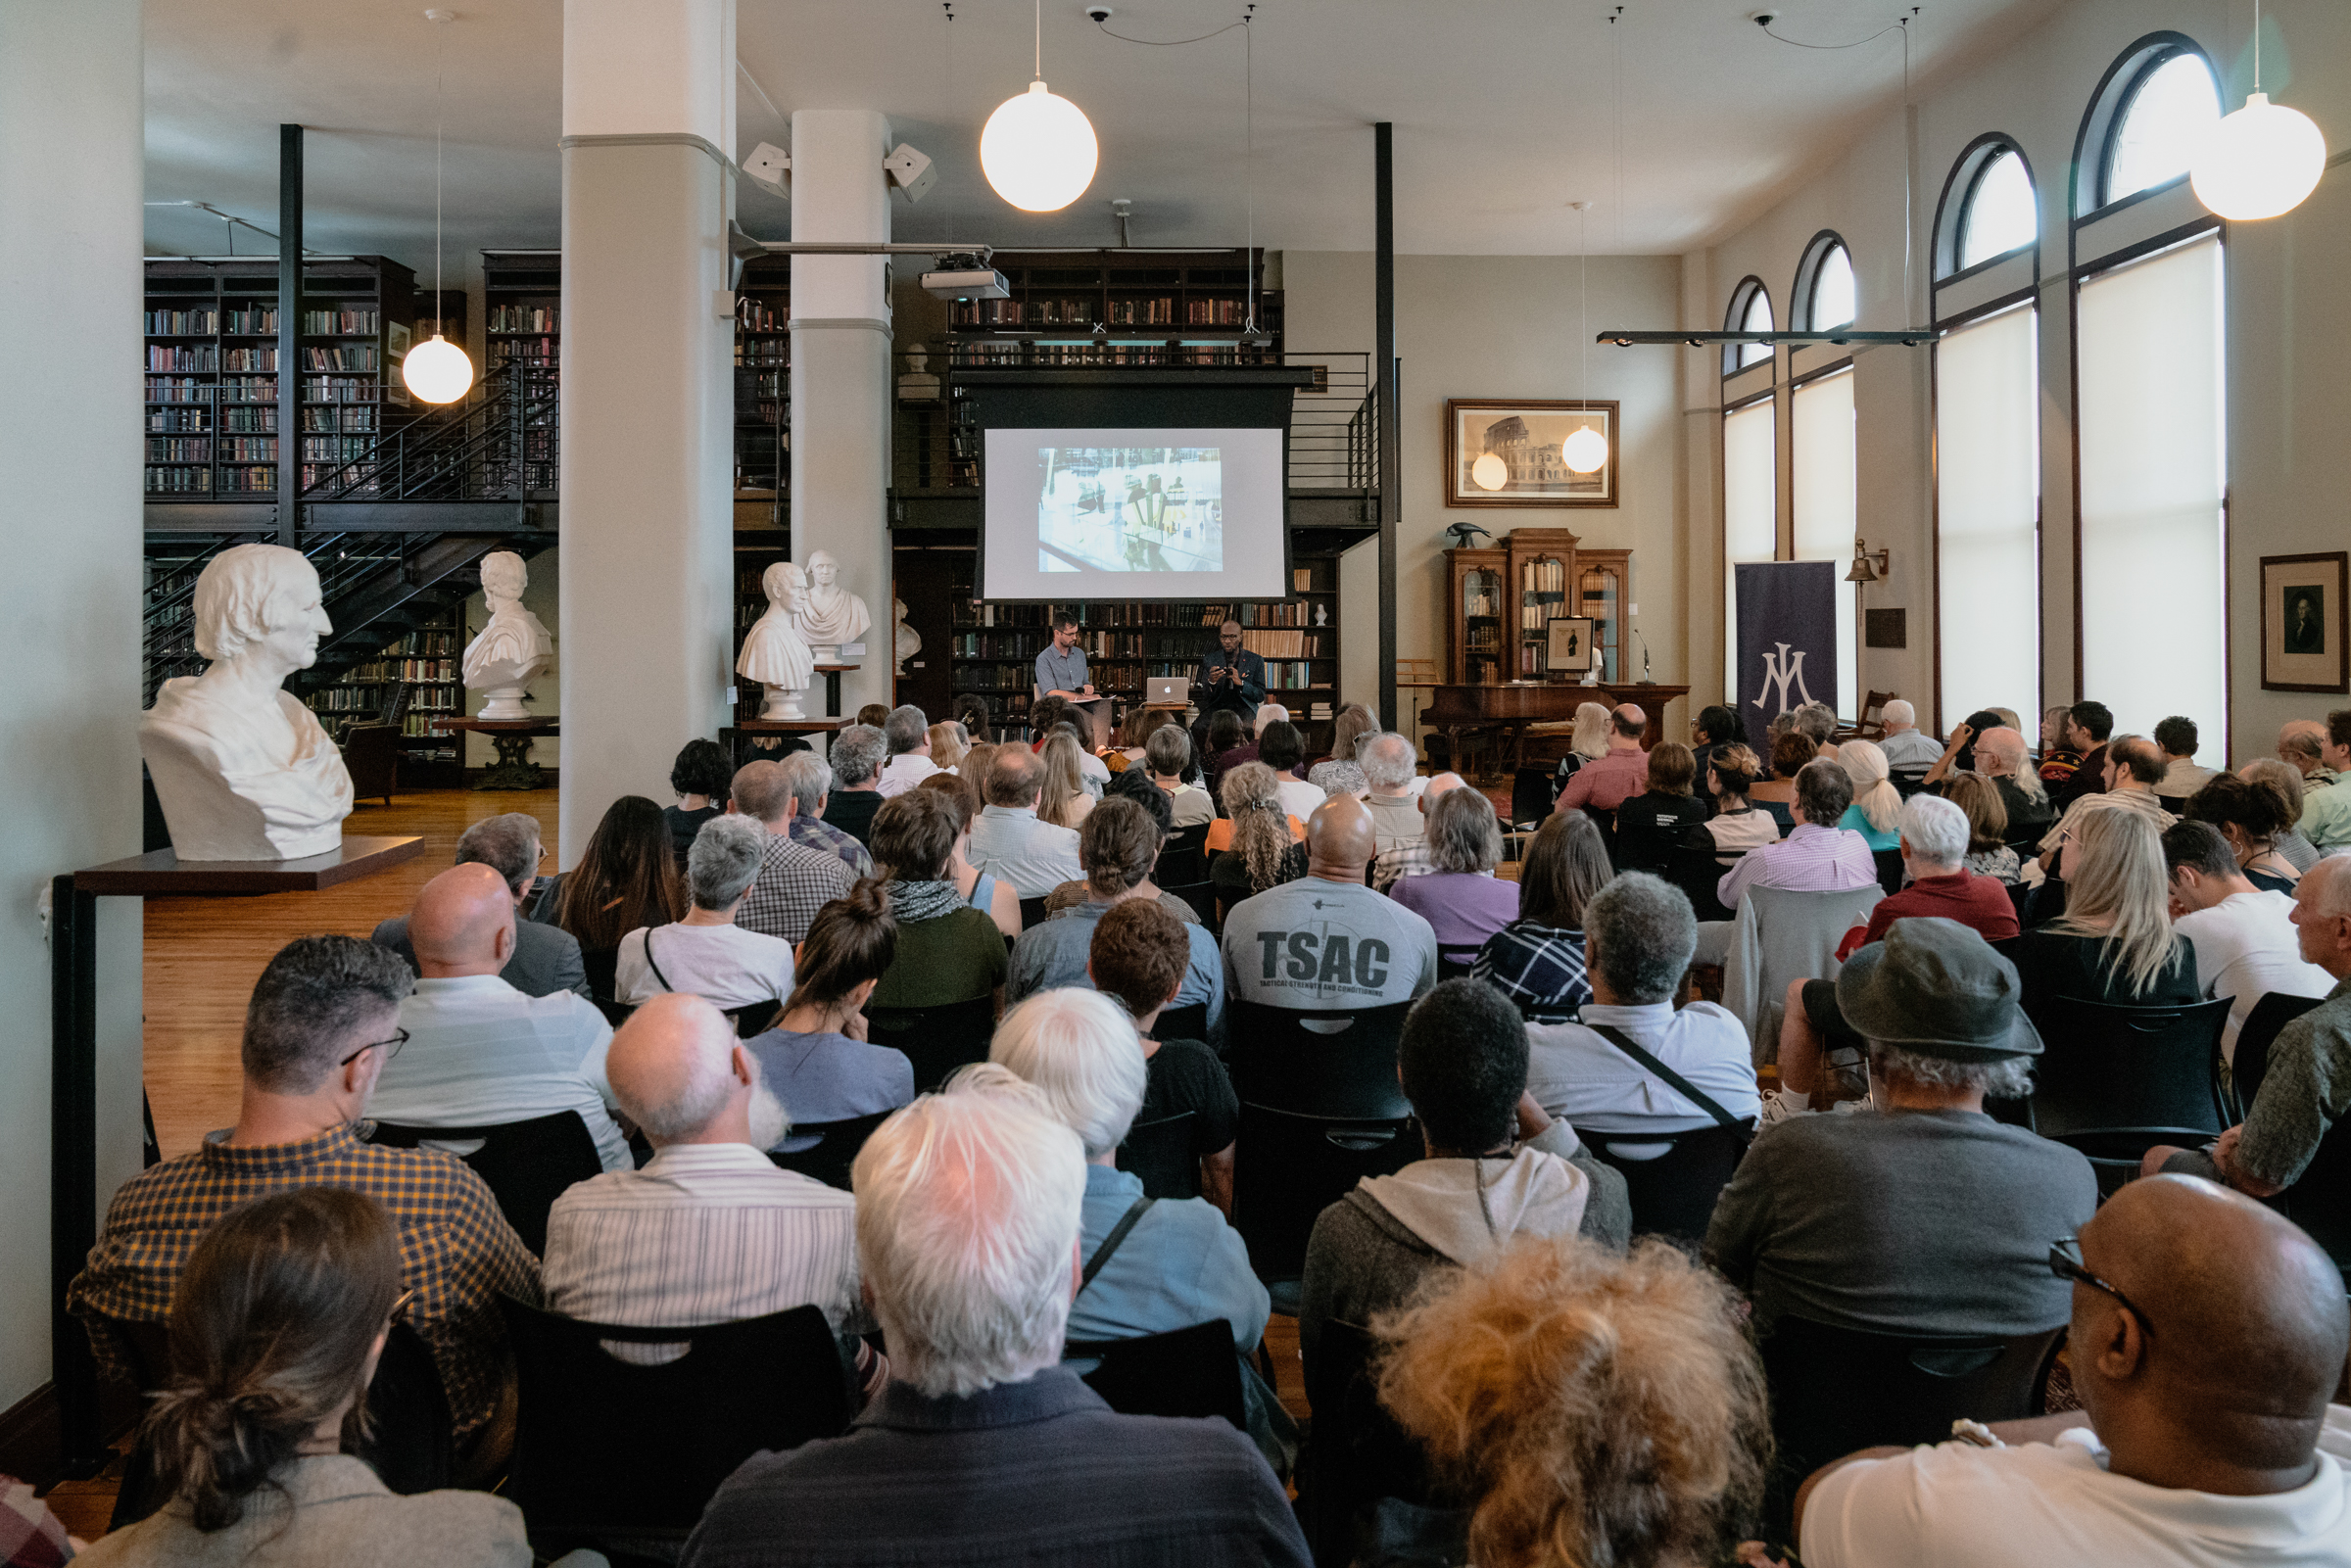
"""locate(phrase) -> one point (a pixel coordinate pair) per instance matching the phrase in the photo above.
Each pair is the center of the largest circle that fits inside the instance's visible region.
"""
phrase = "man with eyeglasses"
(324, 1020)
(545, 957)
(2207, 1335)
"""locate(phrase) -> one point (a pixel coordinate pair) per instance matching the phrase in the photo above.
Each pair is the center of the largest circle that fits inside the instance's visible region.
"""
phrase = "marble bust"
(830, 615)
(513, 649)
(774, 654)
(242, 769)
(905, 640)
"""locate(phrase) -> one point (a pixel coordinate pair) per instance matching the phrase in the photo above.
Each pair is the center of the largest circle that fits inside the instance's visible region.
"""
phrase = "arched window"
(2158, 103)
(2000, 213)
(1825, 292)
(1750, 311)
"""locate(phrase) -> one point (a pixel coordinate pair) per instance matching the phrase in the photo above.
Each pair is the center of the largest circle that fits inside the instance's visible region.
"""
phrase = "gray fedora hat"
(1936, 987)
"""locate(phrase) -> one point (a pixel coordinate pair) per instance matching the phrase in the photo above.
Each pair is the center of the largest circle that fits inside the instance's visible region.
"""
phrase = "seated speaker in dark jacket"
(547, 958)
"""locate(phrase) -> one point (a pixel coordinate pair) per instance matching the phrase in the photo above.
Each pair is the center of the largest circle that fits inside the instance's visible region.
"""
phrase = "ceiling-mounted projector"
(966, 276)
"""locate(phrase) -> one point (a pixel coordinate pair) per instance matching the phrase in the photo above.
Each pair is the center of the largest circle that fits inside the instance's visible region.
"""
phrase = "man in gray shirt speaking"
(1326, 940)
(1919, 1214)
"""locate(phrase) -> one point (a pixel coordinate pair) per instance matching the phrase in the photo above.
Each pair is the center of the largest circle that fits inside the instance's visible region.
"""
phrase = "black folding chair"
(2110, 1068)
(936, 1040)
(765, 1382)
(1333, 1061)
(1183, 857)
(1161, 1154)
(1673, 1193)
(1032, 912)
(1358, 1461)
(1184, 1372)
(756, 1019)
(1289, 1166)
(1697, 874)
(1454, 958)
(1186, 1022)
(836, 1150)
(528, 1165)
(1890, 870)
(2260, 1031)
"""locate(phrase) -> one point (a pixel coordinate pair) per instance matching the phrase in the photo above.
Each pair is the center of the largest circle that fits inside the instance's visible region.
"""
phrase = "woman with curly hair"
(1532, 1386)
(701, 778)
(2253, 815)
(1263, 854)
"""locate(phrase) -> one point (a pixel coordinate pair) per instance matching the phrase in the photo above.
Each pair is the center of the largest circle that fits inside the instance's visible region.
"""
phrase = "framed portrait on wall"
(2305, 622)
(1570, 649)
(1507, 453)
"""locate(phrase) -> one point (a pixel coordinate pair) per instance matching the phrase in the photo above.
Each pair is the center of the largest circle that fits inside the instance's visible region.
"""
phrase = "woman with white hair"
(706, 954)
(1588, 741)
(1876, 812)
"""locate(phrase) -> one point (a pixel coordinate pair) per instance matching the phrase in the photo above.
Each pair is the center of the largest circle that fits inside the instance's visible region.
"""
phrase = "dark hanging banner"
(1787, 642)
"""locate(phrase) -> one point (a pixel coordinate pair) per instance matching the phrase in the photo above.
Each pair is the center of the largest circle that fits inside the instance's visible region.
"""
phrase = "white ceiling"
(1503, 113)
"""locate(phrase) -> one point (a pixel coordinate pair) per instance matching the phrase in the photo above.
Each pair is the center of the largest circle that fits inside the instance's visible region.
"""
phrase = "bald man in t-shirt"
(1327, 940)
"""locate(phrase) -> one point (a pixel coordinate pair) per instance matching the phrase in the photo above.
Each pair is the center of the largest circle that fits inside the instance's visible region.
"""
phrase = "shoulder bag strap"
(1110, 1243)
(1683, 1086)
(650, 964)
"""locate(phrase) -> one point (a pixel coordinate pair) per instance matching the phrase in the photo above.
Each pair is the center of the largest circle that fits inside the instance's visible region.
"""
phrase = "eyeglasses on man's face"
(390, 1048)
(2065, 1261)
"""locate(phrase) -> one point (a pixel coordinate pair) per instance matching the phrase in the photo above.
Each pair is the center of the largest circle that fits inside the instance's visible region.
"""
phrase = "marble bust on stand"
(513, 649)
(242, 769)
(905, 640)
(775, 654)
(830, 615)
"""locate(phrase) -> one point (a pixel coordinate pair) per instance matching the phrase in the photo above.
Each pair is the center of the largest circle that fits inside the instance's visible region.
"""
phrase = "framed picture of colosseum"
(1510, 453)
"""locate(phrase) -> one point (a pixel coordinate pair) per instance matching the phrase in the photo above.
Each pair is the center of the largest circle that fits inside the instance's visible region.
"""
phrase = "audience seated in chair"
(1936, 838)
(1409, 857)
(906, 733)
(1999, 755)
(1064, 800)
(2307, 1089)
(2293, 847)
(1326, 940)
(2326, 810)
(1140, 955)
(625, 879)
(1919, 1214)
(855, 760)
(1532, 1381)
(1260, 850)
(324, 1016)
(1715, 728)
(1905, 748)
(707, 954)
(2081, 737)
(709, 1231)
(1008, 841)
(1168, 751)
(1738, 825)
(1168, 871)
(1391, 769)
(1789, 752)
(2253, 815)
(1281, 748)
(1498, 1168)
(700, 778)
(947, 951)
(1119, 848)
(478, 1053)
(2115, 942)
(1877, 807)
(1989, 853)
(979, 889)
(1463, 902)
(546, 958)
(970, 1206)
(796, 878)
(1812, 859)
(1537, 960)
(276, 1324)
(1340, 772)
(816, 1058)
(1652, 823)
(2243, 937)
(2207, 1334)
(810, 779)
(2132, 768)
(1616, 776)
(1638, 937)
(2175, 739)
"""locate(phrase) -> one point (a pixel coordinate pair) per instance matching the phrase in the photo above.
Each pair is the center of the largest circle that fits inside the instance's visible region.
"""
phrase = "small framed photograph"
(1571, 648)
(2305, 622)
(1507, 452)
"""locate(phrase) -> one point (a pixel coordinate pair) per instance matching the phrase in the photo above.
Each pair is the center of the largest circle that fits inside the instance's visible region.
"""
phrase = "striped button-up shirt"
(818, 833)
(1812, 859)
(795, 881)
(456, 1251)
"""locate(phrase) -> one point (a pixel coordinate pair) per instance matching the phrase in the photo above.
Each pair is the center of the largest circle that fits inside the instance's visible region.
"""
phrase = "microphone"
(1645, 678)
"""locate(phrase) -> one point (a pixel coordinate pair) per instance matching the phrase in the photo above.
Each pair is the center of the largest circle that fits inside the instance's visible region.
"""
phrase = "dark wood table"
(73, 1069)
(741, 731)
(1507, 708)
(515, 769)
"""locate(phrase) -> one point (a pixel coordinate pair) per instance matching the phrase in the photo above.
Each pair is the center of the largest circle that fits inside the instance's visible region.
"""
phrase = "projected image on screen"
(1130, 509)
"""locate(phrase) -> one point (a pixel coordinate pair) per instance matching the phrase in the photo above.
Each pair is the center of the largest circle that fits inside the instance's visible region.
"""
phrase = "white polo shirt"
(2246, 947)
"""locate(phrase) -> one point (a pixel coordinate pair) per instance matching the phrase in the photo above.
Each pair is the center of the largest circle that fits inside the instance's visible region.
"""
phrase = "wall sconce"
(1868, 565)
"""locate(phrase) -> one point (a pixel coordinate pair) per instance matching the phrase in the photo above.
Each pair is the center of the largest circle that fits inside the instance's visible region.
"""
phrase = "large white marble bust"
(774, 654)
(512, 647)
(832, 615)
(905, 640)
(242, 769)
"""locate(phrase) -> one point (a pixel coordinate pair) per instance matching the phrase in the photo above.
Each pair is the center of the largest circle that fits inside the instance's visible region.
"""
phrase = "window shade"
(1751, 530)
(1822, 454)
(1988, 516)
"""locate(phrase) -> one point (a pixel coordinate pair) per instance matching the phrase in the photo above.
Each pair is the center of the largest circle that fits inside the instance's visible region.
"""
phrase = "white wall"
(70, 134)
(2289, 329)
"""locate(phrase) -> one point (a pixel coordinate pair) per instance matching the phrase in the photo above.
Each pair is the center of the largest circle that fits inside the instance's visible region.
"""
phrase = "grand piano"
(1507, 708)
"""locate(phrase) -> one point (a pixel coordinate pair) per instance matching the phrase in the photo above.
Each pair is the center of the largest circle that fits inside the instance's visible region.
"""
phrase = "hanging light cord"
(439, 124)
(1583, 312)
(948, 6)
(2257, 45)
(1040, 41)
(1170, 43)
(1249, 151)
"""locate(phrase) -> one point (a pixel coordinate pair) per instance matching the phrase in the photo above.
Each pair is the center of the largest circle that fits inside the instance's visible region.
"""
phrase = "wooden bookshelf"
(1120, 307)
(425, 661)
(763, 379)
(522, 331)
(212, 384)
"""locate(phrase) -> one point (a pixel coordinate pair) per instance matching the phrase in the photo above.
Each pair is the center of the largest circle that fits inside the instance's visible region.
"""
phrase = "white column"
(840, 372)
(70, 181)
(647, 502)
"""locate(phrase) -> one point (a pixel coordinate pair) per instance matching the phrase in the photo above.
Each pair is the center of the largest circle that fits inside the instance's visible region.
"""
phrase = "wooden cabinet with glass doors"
(1505, 596)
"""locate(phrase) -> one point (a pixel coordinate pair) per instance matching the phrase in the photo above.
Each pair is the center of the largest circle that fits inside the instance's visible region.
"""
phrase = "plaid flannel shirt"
(456, 1251)
(1405, 860)
(818, 833)
(1539, 968)
(795, 881)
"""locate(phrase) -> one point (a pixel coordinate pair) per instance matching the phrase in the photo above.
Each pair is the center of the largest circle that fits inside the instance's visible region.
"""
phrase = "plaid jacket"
(818, 833)
(456, 1251)
(795, 881)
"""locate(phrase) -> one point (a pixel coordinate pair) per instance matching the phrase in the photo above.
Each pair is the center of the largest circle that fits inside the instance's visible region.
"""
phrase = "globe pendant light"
(1038, 149)
(1489, 472)
(437, 370)
(1586, 449)
(2261, 161)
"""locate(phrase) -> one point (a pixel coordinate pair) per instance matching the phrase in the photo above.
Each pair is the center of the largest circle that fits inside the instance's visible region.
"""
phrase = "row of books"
(183, 323)
(427, 669)
(359, 358)
(523, 350)
(1089, 354)
(259, 320)
(432, 699)
(525, 318)
(248, 388)
(417, 727)
(349, 480)
(1290, 675)
(179, 450)
(1284, 644)
(201, 358)
(344, 699)
(178, 389)
(767, 384)
(179, 481)
(249, 449)
(249, 360)
(334, 416)
(179, 418)
(248, 481)
(428, 643)
(337, 388)
(333, 449)
(340, 323)
(263, 418)
(763, 352)
(1135, 613)
(755, 314)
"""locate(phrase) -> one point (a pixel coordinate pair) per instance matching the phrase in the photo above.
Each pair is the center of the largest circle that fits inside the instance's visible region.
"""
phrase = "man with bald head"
(1620, 773)
(2130, 767)
(1411, 858)
(710, 1232)
(2308, 1087)
(2207, 1334)
(1327, 940)
(478, 1052)
(546, 958)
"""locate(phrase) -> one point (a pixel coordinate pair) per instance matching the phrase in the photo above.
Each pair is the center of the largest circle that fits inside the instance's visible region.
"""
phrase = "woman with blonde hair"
(1262, 853)
(1066, 799)
(1589, 1407)
(1338, 774)
(947, 744)
(1876, 812)
(2115, 942)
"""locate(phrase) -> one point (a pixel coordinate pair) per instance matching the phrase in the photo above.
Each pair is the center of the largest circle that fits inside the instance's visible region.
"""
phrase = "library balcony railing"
(497, 443)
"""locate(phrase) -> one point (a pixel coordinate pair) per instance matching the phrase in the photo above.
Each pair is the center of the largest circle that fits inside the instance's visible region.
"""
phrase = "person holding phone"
(1230, 680)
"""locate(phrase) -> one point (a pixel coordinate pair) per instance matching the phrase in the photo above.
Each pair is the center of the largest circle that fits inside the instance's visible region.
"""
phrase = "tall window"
(1751, 529)
(1998, 213)
(1820, 431)
(1750, 311)
(2168, 111)
(1987, 515)
(1824, 284)
(2152, 430)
